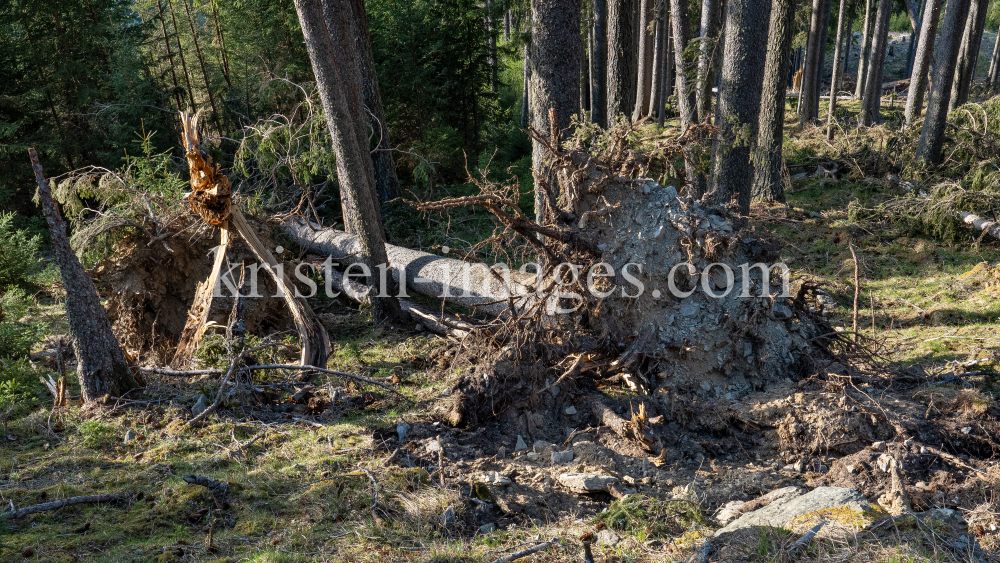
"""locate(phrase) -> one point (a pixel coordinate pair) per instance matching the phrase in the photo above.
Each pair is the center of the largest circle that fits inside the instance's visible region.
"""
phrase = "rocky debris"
(562, 457)
(495, 478)
(608, 538)
(729, 511)
(448, 518)
(401, 429)
(539, 446)
(570, 410)
(842, 508)
(488, 528)
(129, 436)
(878, 446)
(520, 446)
(501, 452)
(433, 447)
(586, 482)
(944, 519)
(200, 404)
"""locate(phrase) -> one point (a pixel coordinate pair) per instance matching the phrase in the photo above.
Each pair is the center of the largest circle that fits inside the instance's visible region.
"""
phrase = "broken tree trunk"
(198, 313)
(991, 228)
(101, 364)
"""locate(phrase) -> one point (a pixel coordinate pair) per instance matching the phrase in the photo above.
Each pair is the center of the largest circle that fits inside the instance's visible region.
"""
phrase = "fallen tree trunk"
(113, 497)
(991, 228)
(197, 320)
(455, 281)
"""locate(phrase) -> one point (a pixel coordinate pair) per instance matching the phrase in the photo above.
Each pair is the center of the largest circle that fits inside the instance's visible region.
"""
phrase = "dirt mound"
(150, 287)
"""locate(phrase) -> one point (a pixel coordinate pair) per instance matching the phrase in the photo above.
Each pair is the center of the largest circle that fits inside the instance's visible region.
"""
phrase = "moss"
(845, 516)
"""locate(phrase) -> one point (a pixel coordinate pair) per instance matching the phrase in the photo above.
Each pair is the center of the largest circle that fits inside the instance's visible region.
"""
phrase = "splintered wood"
(211, 193)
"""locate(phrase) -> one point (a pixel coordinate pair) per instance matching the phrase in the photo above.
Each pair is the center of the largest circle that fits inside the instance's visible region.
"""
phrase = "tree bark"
(101, 365)
(180, 51)
(866, 47)
(555, 67)
(708, 36)
(170, 56)
(525, 91)
(386, 180)
(768, 183)
(201, 61)
(668, 68)
(644, 78)
(841, 15)
(994, 75)
(621, 58)
(739, 101)
(873, 83)
(659, 51)
(585, 74)
(599, 65)
(821, 65)
(932, 133)
(686, 102)
(922, 61)
(354, 166)
(968, 54)
(814, 58)
(491, 45)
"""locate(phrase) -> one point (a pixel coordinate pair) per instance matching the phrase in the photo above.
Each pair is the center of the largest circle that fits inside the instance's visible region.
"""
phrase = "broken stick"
(526, 552)
(86, 499)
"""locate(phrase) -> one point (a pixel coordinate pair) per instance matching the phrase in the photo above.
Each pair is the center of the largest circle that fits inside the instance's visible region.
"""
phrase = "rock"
(562, 457)
(488, 528)
(494, 478)
(729, 511)
(608, 538)
(501, 452)
(907, 442)
(401, 429)
(586, 482)
(924, 450)
(570, 410)
(433, 447)
(941, 520)
(800, 176)
(842, 508)
(799, 466)
(539, 446)
(129, 436)
(448, 518)
(199, 405)
(520, 446)
(884, 462)
(671, 192)
(878, 446)
(966, 429)
(782, 311)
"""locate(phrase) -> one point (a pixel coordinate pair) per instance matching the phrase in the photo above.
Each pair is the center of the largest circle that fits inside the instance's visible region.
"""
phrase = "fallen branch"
(331, 372)
(182, 372)
(802, 542)
(87, 499)
(219, 489)
(991, 228)
(628, 429)
(526, 552)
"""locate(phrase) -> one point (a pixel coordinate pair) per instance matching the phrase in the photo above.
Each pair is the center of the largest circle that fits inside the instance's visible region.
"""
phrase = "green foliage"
(19, 388)
(16, 337)
(647, 517)
(97, 435)
(17, 253)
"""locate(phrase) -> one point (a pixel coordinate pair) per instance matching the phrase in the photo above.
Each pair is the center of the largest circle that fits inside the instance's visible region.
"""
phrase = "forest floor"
(304, 475)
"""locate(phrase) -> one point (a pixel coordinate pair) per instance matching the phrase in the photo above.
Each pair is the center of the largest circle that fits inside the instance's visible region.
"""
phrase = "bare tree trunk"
(708, 36)
(866, 47)
(222, 46)
(491, 45)
(170, 57)
(599, 65)
(354, 166)
(668, 69)
(101, 364)
(836, 69)
(201, 61)
(180, 51)
(386, 181)
(932, 134)
(814, 59)
(644, 79)
(821, 65)
(585, 73)
(969, 53)
(994, 75)
(922, 61)
(621, 57)
(739, 101)
(659, 51)
(525, 92)
(873, 83)
(686, 102)
(555, 71)
(768, 183)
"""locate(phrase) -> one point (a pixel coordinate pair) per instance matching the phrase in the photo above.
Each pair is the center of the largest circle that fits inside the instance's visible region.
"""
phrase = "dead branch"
(219, 489)
(629, 429)
(526, 552)
(991, 228)
(857, 289)
(86, 499)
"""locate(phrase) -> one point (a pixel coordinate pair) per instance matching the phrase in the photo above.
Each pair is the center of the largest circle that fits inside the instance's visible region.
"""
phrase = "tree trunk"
(555, 71)
(525, 93)
(837, 69)
(686, 103)
(180, 51)
(599, 65)
(922, 61)
(932, 133)
(668, 69)
(873, 83)
(814, 58)
(224, 56)
(201, 61)
(739, 101)
(994, 73)
(821, 65)
(101, 364)
(585, 75)
(621, 58)
(386, 181)
(866, 48)
(170, 57)
(644, 78)
(354, 166)
(768, 183)
(659, 51)
(491, 45)
(708, 36)
(969, 53)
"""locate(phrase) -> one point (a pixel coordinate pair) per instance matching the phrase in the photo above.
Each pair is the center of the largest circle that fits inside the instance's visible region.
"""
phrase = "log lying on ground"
(112, 497)
(991, 228)
(426, 274)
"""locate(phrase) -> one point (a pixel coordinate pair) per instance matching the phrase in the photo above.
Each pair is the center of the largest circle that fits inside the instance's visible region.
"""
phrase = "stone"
(570, 410)
(433, 447)
(448, 518)
(885, 462)
(878, 446)
(966, 429)
(943, 519)
(845, 508)
(539, 446)
(782, 311)
(520, 446)
(200, 404)
(586, 482)
(671, 192)
(501, 452)
(488, 528)
(562, 457)
(401, 429)
(494, 478)
(729, 511)
(608, 538)
(924, 450)
(129, 436)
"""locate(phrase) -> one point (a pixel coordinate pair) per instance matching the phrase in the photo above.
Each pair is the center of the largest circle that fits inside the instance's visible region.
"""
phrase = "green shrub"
(17, 253)
(16, 337)
(97, 435)
(19, 388)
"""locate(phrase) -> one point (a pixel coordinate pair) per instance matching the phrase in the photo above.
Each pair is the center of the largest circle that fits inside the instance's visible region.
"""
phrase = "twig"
(802, 542)
(526, 552)
(111, 497)
(330, 371)
(571, 371)
(857, 289)
(218, 397)
(182, 373)
(375, 485)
